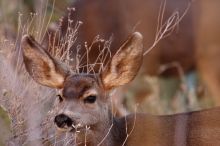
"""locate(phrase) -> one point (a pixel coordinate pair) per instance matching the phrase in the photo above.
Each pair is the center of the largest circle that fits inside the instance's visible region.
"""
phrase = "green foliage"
(5, 127)
(4, 116)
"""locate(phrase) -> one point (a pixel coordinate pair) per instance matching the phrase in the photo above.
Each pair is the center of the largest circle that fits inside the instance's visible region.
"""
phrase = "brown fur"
(120, 17)
(207, 40)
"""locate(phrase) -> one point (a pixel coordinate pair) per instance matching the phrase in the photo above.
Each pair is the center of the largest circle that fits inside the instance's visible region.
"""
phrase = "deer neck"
(111, 133)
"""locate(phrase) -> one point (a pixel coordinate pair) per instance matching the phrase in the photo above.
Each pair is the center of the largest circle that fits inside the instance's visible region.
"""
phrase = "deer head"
(83, 101)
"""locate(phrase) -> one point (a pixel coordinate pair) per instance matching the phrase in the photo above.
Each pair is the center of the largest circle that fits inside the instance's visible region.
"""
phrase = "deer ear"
(125, 63)
(42, 67)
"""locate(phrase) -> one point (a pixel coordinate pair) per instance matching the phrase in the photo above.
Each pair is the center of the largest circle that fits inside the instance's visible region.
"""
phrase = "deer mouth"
(79, 128)
(74, 128)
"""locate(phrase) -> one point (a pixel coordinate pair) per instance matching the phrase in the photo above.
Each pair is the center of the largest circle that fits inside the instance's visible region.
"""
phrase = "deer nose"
(62, 120)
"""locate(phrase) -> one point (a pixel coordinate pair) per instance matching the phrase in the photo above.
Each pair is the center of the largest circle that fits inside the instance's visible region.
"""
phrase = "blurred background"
(160, 93)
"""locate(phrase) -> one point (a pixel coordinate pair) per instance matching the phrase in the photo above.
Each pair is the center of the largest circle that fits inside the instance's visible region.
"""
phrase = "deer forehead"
(78, 86)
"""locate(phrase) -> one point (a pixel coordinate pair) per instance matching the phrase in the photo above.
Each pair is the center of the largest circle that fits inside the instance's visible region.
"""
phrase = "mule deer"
(85, 107)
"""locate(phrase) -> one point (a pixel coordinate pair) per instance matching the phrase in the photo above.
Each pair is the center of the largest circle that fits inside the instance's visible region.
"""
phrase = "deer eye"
(90, 99)
(60, 98)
